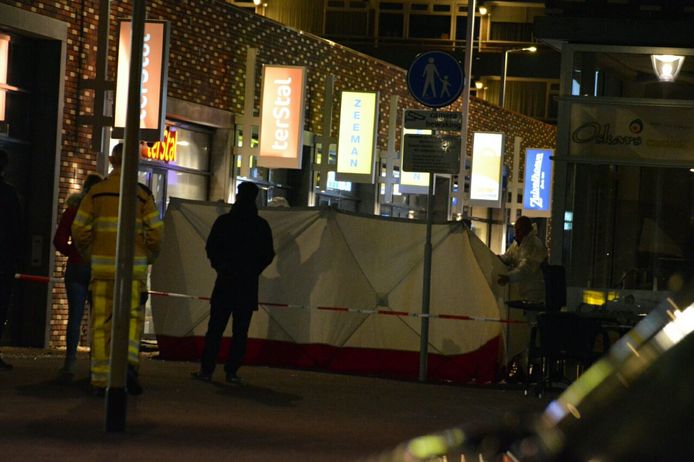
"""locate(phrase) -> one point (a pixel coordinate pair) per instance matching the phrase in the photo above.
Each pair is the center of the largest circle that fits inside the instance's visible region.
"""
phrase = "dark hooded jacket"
(239, 247)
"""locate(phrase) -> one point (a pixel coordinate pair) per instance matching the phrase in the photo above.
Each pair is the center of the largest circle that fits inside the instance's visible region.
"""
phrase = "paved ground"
(280, 414)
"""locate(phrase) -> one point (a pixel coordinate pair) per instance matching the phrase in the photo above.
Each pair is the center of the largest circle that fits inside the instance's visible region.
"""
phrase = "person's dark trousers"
(219, 317)
(77, 288)
(6, 281)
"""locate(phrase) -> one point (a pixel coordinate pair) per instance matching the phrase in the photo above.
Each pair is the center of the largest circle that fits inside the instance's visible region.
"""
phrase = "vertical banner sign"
(155, 58)
(357, 139)
(537, 187)
(4, 66)
(487, 158)
(282, 117)
(412, 182)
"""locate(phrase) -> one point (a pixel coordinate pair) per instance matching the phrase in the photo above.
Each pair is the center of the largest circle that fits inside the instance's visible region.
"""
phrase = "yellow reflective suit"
(94, 233)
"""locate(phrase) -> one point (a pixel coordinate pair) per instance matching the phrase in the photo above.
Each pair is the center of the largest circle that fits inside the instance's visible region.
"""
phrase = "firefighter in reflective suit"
(94, 232)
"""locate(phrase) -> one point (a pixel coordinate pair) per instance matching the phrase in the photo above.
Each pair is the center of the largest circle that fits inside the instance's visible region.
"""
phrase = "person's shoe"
(234, 379)
(202, 376)
(132, 384)
(5, 366)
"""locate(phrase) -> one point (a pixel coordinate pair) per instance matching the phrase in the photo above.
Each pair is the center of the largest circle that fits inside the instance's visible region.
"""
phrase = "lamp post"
(502, 93)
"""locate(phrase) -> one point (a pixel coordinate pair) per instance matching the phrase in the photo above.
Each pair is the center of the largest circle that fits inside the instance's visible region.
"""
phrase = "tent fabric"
(328, 258)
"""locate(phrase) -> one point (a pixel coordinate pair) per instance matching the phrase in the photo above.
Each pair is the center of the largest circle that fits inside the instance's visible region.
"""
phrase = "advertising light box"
(537, 187)
(155, 57)
(413, 182)
(357, 139)
(282, 116)
(485, 180)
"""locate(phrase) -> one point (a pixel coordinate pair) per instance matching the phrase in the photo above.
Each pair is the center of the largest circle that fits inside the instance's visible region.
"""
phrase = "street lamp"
(502, 93)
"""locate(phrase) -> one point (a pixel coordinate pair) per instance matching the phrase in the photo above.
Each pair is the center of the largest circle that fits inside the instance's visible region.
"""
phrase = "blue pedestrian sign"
(435, 79)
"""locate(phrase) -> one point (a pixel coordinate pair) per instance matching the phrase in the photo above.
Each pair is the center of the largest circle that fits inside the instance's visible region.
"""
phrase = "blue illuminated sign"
(538, 182)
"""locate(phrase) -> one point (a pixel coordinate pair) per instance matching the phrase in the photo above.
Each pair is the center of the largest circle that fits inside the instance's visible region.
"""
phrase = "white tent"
(328, 266)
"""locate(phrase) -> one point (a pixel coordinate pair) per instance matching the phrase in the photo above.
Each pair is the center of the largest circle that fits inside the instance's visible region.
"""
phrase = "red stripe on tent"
(393, 313)
(479, 366)
(333, 308)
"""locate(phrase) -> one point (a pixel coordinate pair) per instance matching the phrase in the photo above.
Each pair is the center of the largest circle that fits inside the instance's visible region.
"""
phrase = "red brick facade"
(209, 39)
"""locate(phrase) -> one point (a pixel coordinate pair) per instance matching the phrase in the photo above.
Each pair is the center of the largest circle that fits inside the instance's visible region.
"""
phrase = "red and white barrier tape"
(45, 279)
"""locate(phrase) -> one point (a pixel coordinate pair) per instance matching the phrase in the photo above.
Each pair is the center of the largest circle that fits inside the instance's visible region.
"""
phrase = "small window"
(390, 25)
(429, 26)
(360, 5)
(391, 6)
(445, 8)
(335, 4)
(419, 7)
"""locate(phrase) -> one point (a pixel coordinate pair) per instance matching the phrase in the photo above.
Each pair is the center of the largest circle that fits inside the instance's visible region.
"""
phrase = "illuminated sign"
(155, 53)
(163, 150)
(339, 185)
(413, 182)
(4, 65)
(538, 183)
(485, 179)
(282, 117)
(357, 138)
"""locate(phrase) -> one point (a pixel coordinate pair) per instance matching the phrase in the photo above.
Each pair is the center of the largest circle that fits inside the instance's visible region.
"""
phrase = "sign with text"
(413, 182)
(632, 132)
(433, 120)
(537, 187)
(357, 138)
(4, 65)
(155, 58)
(282, 117)
(431, 153)
(485, 178)
(165, 150)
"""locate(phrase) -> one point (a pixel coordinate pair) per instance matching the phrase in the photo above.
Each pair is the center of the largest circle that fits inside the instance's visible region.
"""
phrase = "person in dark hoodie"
(239, 248)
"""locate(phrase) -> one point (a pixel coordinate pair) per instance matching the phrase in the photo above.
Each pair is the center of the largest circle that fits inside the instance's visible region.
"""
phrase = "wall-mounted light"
(479, 84)
(483, 10)
(4, 65)
(666, 67)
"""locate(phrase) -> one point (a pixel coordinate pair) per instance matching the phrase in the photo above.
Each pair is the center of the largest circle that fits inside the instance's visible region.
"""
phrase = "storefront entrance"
(30, 132)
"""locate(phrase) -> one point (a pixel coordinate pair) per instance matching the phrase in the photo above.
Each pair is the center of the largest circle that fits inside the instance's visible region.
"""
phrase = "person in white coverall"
(524, 260)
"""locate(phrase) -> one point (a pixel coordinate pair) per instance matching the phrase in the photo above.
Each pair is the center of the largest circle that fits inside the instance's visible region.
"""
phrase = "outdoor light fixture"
(667, 67)
(479, 84)
(483, 10)
(502, 93)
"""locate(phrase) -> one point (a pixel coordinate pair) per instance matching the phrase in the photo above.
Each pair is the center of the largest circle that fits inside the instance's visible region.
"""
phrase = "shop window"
(430, 26)
(346, 23)
(390, 25)
(511, 31)
(461, 28)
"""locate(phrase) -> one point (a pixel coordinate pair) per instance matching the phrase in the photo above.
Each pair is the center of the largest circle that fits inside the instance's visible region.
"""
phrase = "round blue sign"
(435, 79)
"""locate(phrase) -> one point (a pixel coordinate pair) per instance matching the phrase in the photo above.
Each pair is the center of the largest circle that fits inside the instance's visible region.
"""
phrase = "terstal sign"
(155, 52)
(282, 117)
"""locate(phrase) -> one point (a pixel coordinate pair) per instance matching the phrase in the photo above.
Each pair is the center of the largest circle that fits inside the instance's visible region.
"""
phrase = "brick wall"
(209, 39)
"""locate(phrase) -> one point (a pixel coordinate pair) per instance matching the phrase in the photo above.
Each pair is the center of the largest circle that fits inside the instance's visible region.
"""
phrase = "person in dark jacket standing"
(10, 243)
(239, 248)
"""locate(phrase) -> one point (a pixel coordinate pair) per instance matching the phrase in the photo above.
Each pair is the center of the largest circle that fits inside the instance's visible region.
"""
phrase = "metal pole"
(116, 398)
(426, 287)
(502, 93)
(469, 48)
